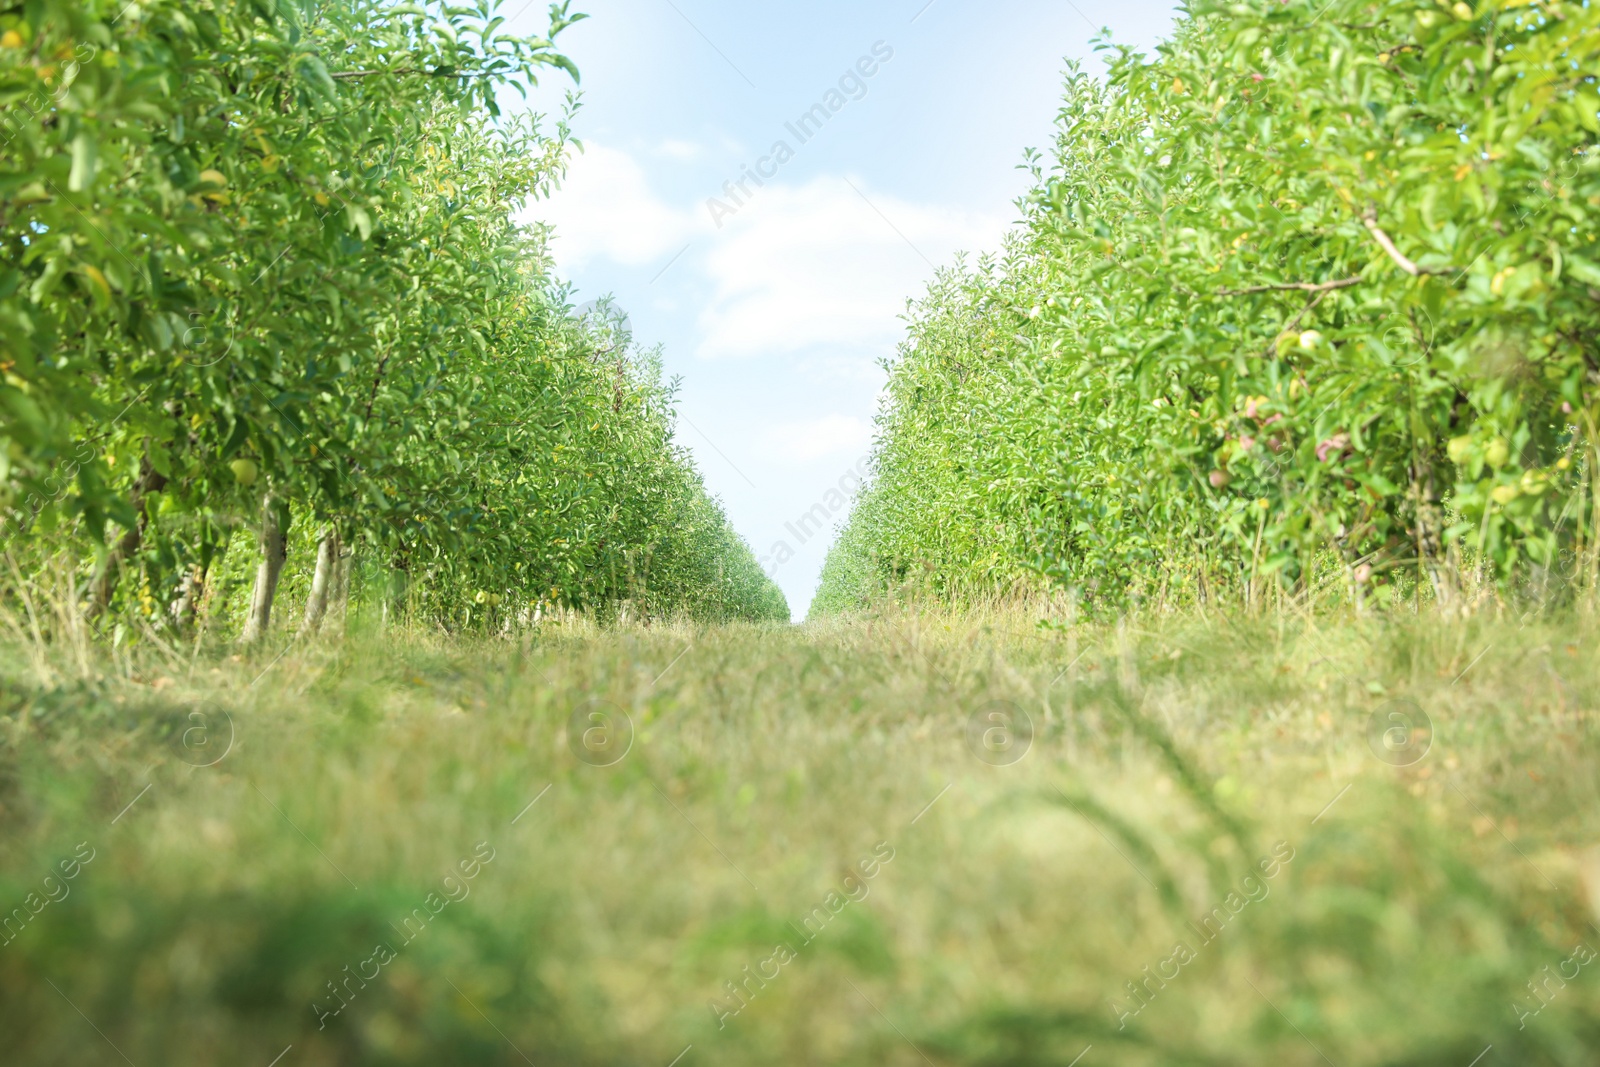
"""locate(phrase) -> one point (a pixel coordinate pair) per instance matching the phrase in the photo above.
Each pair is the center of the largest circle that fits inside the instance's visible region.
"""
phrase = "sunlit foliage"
(261, 269)
(1312, 282)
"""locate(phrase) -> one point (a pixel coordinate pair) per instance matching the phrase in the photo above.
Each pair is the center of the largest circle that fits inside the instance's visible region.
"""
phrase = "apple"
(1311, 340)
(1219, 479)
(245, 470)
(1505, 494)
(1498, 453)
(1459, 448)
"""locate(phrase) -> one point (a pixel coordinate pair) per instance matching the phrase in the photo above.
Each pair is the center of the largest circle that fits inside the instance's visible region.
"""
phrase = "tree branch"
(1294, 323)
(377, 380)
(1370, 218)
(1309, 287)
(440, 72)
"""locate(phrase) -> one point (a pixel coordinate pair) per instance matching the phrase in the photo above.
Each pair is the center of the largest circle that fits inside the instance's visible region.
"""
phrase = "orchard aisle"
(898, 839)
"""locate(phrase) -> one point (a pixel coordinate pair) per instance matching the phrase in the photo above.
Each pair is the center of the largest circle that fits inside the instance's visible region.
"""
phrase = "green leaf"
(359, 220)
(1582, 269)
(85, 160)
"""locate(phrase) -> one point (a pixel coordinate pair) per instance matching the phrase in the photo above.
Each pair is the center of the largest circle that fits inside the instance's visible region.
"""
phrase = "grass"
(810, 803)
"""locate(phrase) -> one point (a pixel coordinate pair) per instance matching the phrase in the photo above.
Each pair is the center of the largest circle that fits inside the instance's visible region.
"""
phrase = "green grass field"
(898, 839)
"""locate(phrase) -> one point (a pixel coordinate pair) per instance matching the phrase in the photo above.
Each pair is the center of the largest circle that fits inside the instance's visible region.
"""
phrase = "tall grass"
(1410, 904)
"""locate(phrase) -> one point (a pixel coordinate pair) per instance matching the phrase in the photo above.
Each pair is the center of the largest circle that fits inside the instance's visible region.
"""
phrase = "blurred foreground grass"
(1227, 842)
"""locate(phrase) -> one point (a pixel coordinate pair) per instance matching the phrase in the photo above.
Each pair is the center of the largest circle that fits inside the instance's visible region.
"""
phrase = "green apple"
(1498, 453)
(1460, 448)
(1311, 340)
(245, 470)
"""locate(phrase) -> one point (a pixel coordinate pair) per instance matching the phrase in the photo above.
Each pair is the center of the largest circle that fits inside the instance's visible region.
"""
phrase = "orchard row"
(1313, 291)
(263, 285)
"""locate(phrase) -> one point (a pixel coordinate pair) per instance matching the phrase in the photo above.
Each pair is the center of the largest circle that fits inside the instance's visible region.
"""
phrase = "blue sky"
(776, 304)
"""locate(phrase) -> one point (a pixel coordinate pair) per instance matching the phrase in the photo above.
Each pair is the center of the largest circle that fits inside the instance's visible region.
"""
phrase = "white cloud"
(606, 209)
(810, 269)
(853, 370)
(675, 149)
(810, 439)
(817, 265)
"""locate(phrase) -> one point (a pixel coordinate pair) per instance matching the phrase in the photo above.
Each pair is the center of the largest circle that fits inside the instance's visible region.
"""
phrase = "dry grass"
(767, 765)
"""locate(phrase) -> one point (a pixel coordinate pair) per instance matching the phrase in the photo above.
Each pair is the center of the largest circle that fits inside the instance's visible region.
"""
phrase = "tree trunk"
(1431, 555)
(396, 595)
(189, 594)
(273, 553)
(105, 580)
(322, 581)
(341, 585)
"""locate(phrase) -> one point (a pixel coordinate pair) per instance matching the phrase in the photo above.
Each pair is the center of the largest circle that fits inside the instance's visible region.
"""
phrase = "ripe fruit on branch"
(245, 470)
(1332, 447)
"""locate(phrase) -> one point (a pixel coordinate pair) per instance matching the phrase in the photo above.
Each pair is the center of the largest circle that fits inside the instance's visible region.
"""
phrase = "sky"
(776, 302)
